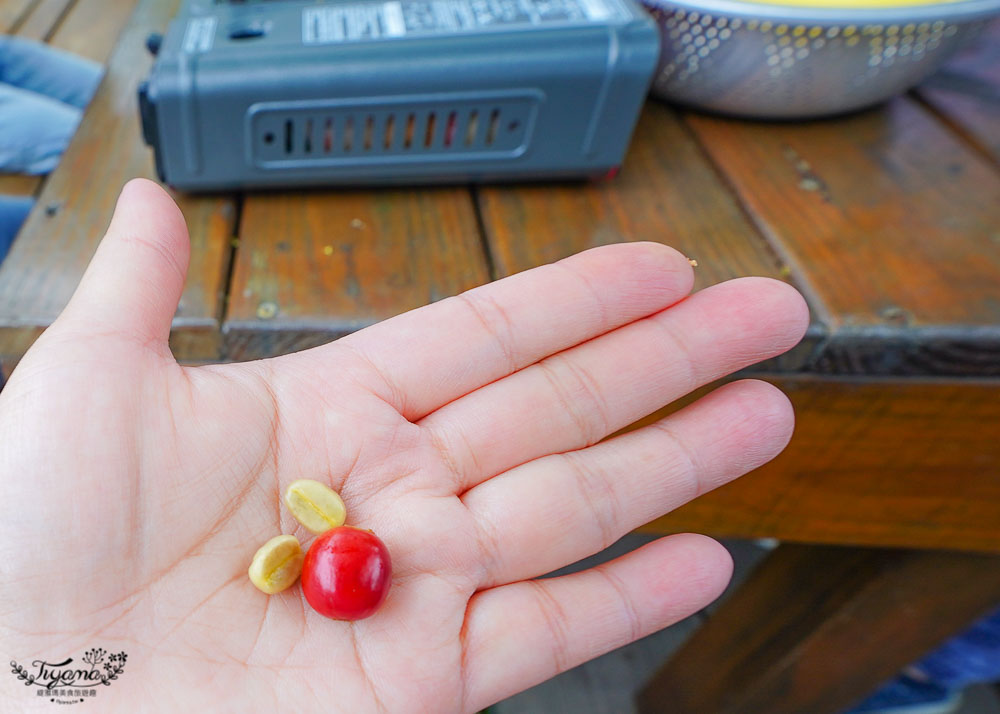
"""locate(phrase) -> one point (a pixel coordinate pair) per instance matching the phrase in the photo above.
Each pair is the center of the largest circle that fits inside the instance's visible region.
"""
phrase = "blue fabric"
(13, 211)
(969, 658)
(43, 92)
(902, 693)
(42, 95)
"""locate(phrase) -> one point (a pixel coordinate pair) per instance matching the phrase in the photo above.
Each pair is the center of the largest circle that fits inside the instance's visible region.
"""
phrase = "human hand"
(135, 490)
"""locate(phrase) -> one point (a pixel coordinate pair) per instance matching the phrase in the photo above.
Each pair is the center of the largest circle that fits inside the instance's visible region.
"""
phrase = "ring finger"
(558, 509)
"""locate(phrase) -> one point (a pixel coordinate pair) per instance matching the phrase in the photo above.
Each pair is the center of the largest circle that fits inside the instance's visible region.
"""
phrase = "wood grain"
(12, 12)
(35, 22)
(92, 28)
(815, 629)
(907, 463)
(19, 184)
(667, 192)
(889, 221)
(314, 266)
(44, 18)
(60, 235)
(966, 92)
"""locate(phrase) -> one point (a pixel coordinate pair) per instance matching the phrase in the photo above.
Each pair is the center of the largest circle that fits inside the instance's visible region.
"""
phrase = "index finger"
(435, 354)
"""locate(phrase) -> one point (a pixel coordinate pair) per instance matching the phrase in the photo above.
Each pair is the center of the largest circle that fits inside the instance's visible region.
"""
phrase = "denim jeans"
(13, 211)
(972, 656)
(43, 92)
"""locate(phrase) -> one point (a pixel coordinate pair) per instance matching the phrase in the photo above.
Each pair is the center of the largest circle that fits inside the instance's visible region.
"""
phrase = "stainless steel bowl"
(779, 61)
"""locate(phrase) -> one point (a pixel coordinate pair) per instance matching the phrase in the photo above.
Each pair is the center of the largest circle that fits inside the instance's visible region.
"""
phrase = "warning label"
(396, 18)
(199, 35)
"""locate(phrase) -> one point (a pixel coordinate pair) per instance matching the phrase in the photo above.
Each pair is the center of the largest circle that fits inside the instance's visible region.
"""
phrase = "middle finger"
(577, 397)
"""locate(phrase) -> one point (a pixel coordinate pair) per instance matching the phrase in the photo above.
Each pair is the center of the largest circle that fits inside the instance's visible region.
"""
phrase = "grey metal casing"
(556, 99)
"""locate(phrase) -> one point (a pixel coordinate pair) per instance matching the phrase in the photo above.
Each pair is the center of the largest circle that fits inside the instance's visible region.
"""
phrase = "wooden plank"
(316, 265)
(61, 234)
(12, 12)
(92, 27)
(899, 463)
(667, 192)
(19, 184)
(816, 629)
(889, 221)
(43, 19)
(967, 91)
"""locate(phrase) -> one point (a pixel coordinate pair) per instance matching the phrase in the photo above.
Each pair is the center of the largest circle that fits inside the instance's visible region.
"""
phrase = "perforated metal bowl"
(786, 61)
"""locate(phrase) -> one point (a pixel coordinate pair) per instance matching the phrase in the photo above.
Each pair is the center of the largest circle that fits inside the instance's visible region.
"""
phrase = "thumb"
(134, 281)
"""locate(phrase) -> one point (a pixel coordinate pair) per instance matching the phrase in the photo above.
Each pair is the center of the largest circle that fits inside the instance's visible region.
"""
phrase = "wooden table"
(888, 221)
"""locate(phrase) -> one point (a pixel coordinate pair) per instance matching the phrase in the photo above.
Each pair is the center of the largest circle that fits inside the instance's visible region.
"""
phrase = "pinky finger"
(521, 634)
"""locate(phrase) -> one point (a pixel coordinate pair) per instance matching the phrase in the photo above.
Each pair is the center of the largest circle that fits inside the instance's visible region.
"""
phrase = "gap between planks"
(788, 266)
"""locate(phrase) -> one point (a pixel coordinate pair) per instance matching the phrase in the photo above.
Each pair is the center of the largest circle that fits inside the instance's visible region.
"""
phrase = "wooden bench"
(886, 220)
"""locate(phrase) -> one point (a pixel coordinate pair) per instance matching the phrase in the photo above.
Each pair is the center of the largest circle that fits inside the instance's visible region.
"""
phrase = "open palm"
(134, 491)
